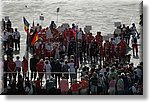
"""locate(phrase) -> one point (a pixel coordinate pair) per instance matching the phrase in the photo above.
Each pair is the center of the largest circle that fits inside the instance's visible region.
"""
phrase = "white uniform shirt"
(16, 35)
(79, 35)
(72, 68)
(48, 47)
(8, 34)
(48, 67)
(18, 63)
(4, 36)
(49, 34)
(117, 40)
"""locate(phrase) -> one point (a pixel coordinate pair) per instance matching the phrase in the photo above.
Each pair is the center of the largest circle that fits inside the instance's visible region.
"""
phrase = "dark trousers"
(17, 43)
(5, 43)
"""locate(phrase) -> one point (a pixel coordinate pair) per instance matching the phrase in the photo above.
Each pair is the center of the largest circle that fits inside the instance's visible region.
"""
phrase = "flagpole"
(76, 49)
(57, 15)
(57, 18)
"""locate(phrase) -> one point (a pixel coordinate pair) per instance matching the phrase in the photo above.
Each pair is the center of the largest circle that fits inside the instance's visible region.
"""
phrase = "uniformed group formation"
(76, 62)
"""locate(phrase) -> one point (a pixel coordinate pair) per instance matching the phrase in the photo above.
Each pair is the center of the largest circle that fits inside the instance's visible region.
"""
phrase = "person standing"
(11, 70)
(3, 24)
(134, 45)
(17, 39)
(65, 70)
(75, 87)
(4, 39)
(38, 86)
(112, 86)
(94, 84)
(24, 67)
(33, 62)
(18, 64)
(47, 68)
(40, 69)
(127, 35)
(120, 85)
(5, 70)
(64, 85)
(57, 71)
(72, 71)
(10, 39)
(8, 24)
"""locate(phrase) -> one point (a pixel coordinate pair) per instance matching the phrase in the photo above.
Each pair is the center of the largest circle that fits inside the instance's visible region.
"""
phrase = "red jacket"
(40, 66)
(25, 65)
(11, 66)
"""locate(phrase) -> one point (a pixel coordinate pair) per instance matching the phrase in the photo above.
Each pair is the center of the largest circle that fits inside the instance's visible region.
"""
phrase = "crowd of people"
(10, 38)
(75, 62)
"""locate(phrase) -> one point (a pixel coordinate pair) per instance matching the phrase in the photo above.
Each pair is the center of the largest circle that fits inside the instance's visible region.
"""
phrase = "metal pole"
(57, 18)
(57, 15)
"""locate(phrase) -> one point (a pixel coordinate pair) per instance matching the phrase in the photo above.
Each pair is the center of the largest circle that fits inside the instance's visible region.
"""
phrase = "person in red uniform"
(40, 69)
(38, 86)
(123, 46)
(24, 67)
(75, 87)
(12, 69)
(99, 38)
(101, 54)
(70, 34)
(112, 50)
(107, 50)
